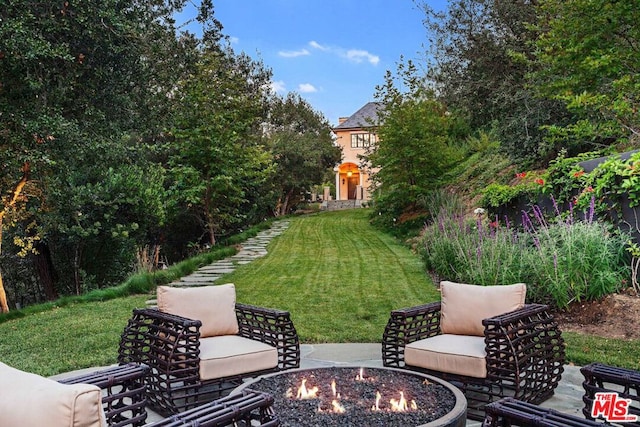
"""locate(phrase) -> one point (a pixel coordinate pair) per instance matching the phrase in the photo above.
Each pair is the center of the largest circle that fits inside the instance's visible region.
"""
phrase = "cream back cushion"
(30, 400)
(465, 306)
(214, 306)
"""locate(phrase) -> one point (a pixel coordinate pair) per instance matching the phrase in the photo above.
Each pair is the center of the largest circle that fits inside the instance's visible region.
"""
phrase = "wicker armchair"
(519, 353)
(601, 378)
(189, 367)
(112, 396)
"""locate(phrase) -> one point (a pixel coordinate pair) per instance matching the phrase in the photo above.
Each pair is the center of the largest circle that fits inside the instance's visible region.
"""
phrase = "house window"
(363, 140)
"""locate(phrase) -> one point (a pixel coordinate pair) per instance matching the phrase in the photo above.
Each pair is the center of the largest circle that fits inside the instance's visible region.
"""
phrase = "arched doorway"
(349, 181)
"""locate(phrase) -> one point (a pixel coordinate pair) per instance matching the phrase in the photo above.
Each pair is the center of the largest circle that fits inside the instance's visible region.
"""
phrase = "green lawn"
(337, 276)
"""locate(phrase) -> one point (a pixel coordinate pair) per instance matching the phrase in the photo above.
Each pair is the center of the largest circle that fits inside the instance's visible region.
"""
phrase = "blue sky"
(332, 52)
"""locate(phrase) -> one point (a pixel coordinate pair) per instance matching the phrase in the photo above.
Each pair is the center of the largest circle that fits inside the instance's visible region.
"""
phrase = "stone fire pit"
(354, 396)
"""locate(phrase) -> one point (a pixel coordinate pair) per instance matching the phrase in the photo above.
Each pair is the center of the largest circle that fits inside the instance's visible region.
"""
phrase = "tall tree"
(589, 54)
(79, 79)
(217, 153)
(416, 143)
(301, 144)
(482, 53)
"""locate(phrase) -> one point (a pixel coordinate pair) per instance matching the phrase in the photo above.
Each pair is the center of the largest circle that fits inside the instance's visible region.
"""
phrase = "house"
(355, 134)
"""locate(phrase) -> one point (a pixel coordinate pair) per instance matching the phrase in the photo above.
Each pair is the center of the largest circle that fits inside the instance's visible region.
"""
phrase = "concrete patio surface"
(567, 398)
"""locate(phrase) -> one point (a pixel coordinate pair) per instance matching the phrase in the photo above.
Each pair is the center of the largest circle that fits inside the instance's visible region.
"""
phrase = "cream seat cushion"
(229, 355)
(29, 400)
(455, 354)
(464, 307)
(214, 306)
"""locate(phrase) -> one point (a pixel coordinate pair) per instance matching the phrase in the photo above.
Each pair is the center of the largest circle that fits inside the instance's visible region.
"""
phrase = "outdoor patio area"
(568, 396)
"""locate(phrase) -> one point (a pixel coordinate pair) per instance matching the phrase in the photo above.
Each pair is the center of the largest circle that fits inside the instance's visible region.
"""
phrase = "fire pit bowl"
(355, 396)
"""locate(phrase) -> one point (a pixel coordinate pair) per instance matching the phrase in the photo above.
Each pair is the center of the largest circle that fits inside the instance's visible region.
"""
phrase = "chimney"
(341, 120)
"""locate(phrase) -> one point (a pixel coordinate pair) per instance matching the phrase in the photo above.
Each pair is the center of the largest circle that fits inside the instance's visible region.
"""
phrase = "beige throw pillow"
(31, 400)
(214, 306)
(464, 307)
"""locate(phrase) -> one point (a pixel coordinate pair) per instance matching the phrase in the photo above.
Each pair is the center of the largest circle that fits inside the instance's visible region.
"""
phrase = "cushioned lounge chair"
(200, 344)
(484, 340)
(112, 396)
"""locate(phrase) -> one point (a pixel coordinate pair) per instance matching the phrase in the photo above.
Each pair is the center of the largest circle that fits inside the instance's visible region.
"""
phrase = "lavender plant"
(562, 259)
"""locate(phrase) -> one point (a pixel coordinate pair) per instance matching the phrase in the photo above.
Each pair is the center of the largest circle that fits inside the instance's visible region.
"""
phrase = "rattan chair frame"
(170, 346)
(601, 378)
(248, 408)
(123, 392)
(525, 353)
(509, 412)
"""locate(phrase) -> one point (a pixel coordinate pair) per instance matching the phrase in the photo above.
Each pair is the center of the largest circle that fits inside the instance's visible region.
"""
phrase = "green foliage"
(216, 160)
(300, 141)
(610, 185)
(561, 262)
(481, 58)
(416, 146)
(85, 91)
(589, 60)
(497, 195)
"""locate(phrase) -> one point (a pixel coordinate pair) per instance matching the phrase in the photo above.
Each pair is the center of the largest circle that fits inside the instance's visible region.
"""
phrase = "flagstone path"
(253, 248)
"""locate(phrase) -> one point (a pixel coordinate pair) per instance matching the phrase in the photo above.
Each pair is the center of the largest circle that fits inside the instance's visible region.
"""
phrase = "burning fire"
(304, 393)
(337, 407)
(396, 405)
(401, 405)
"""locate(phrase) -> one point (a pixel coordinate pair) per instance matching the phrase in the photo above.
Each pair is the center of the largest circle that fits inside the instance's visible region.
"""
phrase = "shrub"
(561, 261)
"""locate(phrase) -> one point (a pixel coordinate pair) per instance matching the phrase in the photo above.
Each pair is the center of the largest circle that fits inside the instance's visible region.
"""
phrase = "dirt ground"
(615, 316)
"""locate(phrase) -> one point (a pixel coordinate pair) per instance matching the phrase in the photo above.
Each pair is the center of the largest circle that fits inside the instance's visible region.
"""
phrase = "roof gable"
(363, 118)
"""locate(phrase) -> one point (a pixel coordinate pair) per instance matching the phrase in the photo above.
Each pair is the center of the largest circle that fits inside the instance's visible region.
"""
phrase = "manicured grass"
(338, 276)
(584, 349)
(63, 339)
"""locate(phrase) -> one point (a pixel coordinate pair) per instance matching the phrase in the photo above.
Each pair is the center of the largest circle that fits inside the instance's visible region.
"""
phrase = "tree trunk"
(44, 268)
(284, 207)
(8, 203)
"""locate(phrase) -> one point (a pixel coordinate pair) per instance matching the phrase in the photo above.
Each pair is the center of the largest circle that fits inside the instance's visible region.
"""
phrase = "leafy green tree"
(77, 80)
(300, 141)
(482, 53)
(416, 145)
(589, 59)
(217, 155)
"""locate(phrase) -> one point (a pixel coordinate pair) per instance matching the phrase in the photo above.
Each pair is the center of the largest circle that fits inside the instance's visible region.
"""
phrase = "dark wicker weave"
(170, 345)
(124, 402)
(509, 412)
(249, 408)
(600, 378)
(525, 353)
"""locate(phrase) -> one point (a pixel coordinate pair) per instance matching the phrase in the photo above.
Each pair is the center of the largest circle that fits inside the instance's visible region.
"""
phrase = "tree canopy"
(120, 132)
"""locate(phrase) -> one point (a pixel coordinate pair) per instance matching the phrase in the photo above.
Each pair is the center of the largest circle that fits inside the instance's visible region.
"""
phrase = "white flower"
(478, 211)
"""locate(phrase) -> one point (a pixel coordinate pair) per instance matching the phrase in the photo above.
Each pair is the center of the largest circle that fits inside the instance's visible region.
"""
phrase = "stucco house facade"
(355, 134)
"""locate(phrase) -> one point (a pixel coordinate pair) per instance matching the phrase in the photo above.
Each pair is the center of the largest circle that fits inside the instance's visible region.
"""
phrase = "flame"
(376, 407)
(337, 407)
(333, 389)
(360, 377)
(304, 393)
(399, 405)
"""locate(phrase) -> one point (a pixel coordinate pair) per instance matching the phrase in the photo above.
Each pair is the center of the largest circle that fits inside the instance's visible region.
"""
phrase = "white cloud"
(354, 55)
(306, 88)
(316, 45)
(278, 87)
(293, 53)
(234, 40)
(358, 56)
